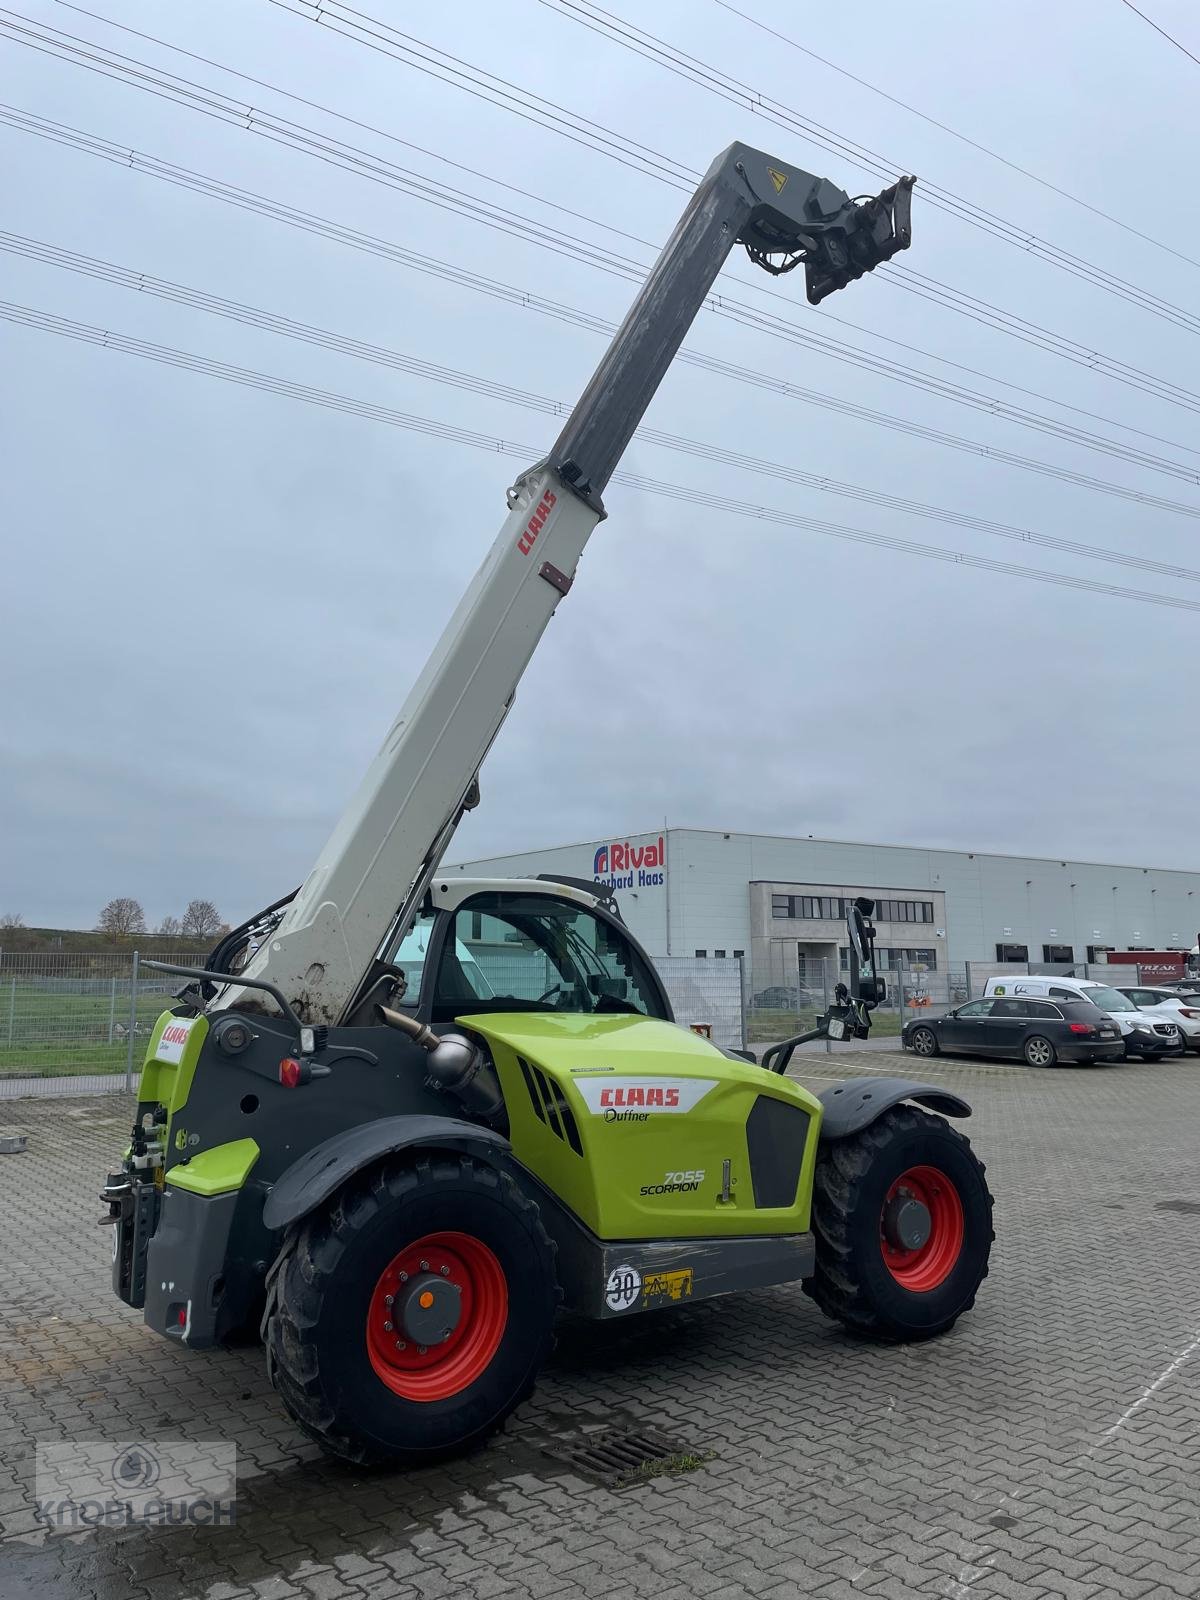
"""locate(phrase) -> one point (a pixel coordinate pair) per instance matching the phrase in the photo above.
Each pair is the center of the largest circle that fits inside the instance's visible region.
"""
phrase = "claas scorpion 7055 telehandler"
(344, 1130)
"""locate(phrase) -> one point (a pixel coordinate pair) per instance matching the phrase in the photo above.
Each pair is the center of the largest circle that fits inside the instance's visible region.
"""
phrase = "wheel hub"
(437, 1316)
(906, 1222)
(429, 1308)
(921, 1228)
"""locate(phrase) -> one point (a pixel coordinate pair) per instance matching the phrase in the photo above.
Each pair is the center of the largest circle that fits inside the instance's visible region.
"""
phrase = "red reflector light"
(1082, 1027)
(289, 1072)
(1190, 1015)
(183, 1316)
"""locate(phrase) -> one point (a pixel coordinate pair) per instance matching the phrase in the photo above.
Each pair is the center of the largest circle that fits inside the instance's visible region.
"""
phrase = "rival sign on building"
(631, 866)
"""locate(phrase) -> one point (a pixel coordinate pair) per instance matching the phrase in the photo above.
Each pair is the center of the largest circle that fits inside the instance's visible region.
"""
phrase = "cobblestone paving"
(1048, 1447)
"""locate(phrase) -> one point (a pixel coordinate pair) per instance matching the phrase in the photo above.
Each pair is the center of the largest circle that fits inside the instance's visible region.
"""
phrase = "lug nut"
(445, 1271)
(389, 1299)
(404, 1277)
(422, 1349)
(400, 1345)
(387, 1327)
(424, 1266)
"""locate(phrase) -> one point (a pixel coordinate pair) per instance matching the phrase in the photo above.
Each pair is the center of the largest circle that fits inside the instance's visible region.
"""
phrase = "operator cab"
(489, 945)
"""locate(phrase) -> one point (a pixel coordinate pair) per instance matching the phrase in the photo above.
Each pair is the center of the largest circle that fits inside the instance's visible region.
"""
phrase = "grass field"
(52, 1028)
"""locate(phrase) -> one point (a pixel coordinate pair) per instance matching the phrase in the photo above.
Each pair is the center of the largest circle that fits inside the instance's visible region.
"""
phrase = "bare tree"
(201, 920)
(12, 919)
(170, 928)
(122, 916)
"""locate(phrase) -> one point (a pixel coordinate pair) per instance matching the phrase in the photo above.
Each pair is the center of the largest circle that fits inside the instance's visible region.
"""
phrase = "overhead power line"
(1014, 166)
(1170, 38)
(818, 398)
(720, 306)
(380, 355)
(215, 103)
(166, 355)
(705, 76)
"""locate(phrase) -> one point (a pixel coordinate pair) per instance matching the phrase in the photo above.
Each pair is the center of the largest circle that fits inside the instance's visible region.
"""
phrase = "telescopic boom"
(374, 870)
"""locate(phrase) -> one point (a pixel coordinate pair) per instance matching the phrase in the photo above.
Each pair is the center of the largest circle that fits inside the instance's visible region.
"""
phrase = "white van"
(1142, 1035)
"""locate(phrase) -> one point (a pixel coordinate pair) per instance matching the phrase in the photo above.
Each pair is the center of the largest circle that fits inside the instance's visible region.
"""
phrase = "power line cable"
(975, 144)
(352, 158)
(108, 339)
(268, 321)
(628, 35)
(714, 364)
(1170, 38)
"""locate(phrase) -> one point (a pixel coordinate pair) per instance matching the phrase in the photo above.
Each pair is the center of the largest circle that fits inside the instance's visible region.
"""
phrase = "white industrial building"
(778, 902)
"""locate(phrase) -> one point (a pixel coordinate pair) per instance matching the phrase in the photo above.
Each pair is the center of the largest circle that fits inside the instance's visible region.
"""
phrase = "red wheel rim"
(450, 1364)
(931, 1263)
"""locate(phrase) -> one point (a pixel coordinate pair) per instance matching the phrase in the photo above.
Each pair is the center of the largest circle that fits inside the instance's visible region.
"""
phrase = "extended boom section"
(368, 883)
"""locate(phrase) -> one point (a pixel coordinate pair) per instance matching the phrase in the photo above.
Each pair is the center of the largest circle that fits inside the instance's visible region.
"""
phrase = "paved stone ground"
(1048, 1447)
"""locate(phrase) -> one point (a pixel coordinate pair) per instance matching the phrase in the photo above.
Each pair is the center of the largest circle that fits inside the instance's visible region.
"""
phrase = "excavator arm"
(335, 935)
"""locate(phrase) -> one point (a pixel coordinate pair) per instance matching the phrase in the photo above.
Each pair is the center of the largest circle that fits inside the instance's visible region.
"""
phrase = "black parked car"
(1039, 1031)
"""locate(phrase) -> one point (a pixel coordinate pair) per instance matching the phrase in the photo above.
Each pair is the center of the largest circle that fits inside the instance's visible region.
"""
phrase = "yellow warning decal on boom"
(777, 178)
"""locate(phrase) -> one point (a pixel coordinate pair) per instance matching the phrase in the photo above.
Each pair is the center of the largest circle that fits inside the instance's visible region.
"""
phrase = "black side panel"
(776, 1134)
(852, 1106)
(326, 1167)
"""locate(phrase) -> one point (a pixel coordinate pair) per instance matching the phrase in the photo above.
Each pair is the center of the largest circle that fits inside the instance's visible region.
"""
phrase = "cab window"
(534, 952)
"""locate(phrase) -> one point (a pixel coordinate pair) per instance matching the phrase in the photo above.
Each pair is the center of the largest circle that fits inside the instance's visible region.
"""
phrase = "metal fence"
(69, 1012)
(73, 1013)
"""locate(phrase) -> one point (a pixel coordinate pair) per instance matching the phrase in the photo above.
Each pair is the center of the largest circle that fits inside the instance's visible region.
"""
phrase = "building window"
(1058, 953)
(809, 907)
(720, 954)
(1096, 951)
(894, 960)
(701, 954)
(738, 955)
(904, 911)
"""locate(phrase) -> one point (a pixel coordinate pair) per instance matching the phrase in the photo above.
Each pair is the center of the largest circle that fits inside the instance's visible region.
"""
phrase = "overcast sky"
(215, 598)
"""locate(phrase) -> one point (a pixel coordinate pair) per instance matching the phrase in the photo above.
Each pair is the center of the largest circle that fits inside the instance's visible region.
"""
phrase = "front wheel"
(408, 1317)
(903, 1223)
(924, 1042)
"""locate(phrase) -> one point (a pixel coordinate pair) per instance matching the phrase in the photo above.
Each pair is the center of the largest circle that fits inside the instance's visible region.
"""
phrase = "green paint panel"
(654, 1108)
(170, 1064)
(216, 1171)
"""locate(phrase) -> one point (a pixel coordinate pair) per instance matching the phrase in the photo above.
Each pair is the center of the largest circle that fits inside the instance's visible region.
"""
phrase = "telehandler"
(399, 1119)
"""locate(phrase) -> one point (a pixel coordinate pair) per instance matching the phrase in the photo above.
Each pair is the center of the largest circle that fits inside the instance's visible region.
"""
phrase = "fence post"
(133, 983)
(12, 1006)
(112, 1010)
(825, 997)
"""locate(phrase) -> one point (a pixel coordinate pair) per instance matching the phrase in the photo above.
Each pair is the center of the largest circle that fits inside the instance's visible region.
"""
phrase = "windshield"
(1110, 999)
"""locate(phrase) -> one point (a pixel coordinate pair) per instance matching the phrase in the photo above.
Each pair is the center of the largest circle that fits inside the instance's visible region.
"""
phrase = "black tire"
(924, 1042)
(853, 1282)
(1039, 1052)
(321, 1290)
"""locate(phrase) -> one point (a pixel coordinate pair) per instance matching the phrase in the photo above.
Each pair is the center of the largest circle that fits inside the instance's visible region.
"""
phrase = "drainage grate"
(615, 1459)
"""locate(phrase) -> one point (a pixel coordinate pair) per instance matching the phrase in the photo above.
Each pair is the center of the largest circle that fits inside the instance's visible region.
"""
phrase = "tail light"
(291, 1073)
(1192, 1016)
(1082, 1027)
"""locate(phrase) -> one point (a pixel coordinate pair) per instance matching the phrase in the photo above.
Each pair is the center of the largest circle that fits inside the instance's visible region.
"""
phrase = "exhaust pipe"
(456, 1065)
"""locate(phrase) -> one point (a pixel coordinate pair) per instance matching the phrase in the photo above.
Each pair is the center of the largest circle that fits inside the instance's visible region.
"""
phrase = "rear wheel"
(924, 1042)
(1040, 1052)
(412, 1314)
(903, 1223)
